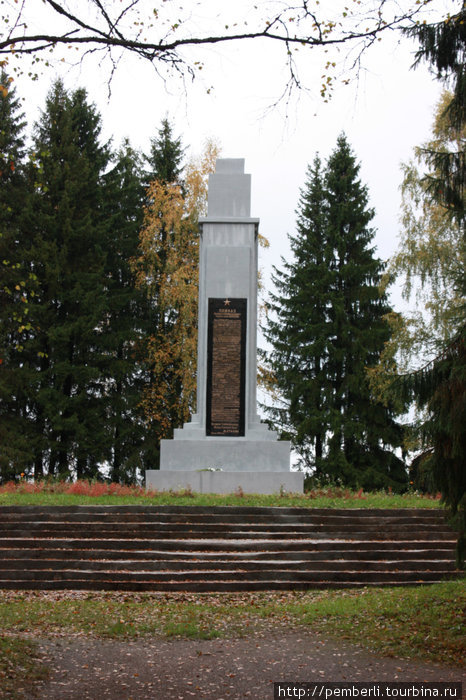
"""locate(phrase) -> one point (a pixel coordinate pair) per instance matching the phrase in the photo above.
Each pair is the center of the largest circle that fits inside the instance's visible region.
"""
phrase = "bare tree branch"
(110, 25)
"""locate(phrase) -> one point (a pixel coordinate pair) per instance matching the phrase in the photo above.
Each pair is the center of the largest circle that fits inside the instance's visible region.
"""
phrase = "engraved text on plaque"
(226, 365)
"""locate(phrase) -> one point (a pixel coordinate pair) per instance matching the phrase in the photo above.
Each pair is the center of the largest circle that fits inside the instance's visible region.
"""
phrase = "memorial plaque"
(226, 367)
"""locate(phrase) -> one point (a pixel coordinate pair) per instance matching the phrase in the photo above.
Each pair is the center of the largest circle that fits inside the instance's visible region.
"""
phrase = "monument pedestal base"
(257, 463)
(235, 454)
(225, 482)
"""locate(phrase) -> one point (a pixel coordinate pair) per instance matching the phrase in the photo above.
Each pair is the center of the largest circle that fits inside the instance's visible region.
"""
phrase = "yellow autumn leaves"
(166, 267)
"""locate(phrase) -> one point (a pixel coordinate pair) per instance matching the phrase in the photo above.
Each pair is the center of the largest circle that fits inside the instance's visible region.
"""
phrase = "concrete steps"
(177, 548)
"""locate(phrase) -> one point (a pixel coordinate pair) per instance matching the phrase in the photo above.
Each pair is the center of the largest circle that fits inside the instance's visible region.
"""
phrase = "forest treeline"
(98, 299)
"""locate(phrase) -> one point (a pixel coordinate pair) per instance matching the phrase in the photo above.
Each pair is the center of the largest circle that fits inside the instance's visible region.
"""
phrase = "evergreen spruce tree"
(129, 321)
(166, 156)
(440, 387)
(327, 327)
(297, 329)
(443, 47)
(363, 428)
(16, 287)
(67, 230)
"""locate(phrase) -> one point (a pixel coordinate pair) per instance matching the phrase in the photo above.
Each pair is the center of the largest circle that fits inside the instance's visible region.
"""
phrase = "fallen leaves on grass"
(19, 666)
(424, 622)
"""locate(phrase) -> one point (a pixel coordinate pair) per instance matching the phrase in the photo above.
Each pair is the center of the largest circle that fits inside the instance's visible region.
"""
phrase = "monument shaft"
(226, 435)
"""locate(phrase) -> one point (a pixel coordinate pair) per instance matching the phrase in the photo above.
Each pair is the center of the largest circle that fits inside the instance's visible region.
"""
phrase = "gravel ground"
(219, 669)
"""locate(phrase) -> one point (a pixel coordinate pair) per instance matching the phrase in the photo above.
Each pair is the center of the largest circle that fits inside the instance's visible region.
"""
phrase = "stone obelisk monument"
(225, 447)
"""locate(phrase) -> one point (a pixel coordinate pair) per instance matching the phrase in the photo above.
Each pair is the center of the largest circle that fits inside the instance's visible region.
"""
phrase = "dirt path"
(155, 669)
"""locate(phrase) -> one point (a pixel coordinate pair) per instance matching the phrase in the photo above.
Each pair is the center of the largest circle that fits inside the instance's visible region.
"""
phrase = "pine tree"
(328, 328)
(67, 228)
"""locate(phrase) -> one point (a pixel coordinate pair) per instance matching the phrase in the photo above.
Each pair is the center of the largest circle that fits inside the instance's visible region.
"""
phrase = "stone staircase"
(177, 548)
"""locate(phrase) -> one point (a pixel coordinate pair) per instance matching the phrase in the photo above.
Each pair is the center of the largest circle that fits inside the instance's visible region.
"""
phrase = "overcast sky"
(385, 113)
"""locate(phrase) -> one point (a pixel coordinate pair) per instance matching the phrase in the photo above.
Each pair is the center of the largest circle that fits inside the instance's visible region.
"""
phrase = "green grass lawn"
(421, 622)
(98, 493)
